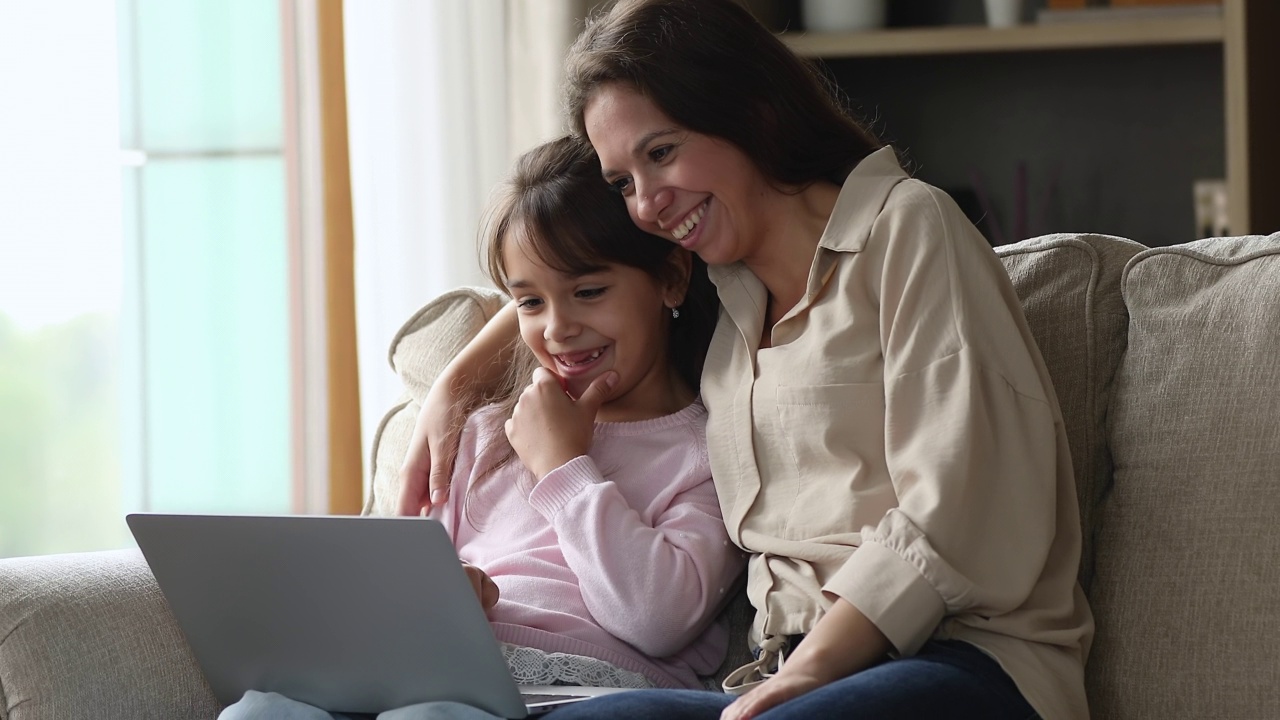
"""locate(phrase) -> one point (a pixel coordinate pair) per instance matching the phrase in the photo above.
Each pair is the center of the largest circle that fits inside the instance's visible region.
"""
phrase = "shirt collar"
(861, 199)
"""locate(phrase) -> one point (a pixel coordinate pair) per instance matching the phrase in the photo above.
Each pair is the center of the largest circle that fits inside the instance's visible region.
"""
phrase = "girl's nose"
(560, 326)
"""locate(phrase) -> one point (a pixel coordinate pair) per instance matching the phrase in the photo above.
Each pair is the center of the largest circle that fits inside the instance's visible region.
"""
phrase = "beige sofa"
(1167, 365)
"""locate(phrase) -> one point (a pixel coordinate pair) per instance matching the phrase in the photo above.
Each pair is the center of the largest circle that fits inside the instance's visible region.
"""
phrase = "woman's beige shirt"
(899, 445)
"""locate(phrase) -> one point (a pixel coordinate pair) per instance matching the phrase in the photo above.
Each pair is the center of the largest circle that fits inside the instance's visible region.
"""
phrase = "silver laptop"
(350, 614)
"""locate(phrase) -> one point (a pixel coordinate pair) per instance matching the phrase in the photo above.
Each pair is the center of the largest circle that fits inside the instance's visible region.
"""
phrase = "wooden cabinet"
(1109, 123)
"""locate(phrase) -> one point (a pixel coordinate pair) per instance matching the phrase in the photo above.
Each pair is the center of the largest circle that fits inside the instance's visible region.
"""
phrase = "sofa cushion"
(1187, 587)
(419, 351)
(73, 645)
(1069, 287)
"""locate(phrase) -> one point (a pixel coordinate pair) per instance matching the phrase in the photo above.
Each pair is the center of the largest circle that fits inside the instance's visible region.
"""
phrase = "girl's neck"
(662, 394)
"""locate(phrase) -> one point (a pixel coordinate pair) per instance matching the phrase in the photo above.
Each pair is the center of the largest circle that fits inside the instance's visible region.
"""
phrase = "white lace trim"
(530, 666)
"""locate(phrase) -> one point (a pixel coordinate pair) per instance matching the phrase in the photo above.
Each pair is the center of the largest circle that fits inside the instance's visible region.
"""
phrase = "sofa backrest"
(1187, 587)
(1069, 287)
(419, 351)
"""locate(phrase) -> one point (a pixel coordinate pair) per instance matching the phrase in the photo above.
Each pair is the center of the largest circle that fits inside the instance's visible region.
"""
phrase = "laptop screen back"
(350, 614)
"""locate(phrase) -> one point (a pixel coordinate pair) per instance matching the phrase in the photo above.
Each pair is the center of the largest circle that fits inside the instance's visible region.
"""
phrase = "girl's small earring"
(675, 313)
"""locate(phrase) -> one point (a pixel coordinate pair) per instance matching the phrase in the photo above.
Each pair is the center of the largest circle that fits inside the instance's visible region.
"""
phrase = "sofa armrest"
(89, 635)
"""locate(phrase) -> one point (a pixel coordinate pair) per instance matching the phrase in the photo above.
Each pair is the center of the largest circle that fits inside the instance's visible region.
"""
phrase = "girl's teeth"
(564, 360)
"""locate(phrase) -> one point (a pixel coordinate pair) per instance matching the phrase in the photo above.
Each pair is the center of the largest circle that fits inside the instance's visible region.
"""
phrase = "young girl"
(587, 488)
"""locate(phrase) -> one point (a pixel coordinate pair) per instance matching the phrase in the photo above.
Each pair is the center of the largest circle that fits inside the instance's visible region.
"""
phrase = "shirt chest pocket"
(832, 447)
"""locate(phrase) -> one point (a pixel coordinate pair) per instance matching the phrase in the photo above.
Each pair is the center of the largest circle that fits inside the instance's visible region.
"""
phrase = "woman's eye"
(660, 153)
(621, 186)
(590, 293)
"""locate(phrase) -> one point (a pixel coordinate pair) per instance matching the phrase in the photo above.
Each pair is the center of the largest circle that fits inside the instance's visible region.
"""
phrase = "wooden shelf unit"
(1024, 38)
(1246, 31)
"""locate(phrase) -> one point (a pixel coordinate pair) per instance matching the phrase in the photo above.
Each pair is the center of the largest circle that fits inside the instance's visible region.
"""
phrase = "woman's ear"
(679, 265)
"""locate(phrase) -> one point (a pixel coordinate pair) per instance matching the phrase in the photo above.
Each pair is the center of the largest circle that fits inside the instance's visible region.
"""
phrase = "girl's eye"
(660, 153)
(590, 293)
(528, 303)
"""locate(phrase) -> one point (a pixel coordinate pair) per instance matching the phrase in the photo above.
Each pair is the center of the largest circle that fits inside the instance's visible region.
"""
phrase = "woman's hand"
(548, 428)
(428, 465)
(773, 692)
(486, 589)
(842, 643)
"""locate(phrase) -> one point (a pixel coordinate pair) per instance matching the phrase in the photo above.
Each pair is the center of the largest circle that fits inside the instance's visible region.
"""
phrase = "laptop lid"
(350, 614)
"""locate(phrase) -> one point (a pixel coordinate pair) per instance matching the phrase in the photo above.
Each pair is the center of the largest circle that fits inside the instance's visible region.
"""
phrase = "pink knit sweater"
(620, 554)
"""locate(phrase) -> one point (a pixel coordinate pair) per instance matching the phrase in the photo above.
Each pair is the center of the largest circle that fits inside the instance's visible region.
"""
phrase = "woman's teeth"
(690, 223)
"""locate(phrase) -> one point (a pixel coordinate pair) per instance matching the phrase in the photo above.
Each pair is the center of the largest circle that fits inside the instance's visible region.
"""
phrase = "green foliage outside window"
(59, 444)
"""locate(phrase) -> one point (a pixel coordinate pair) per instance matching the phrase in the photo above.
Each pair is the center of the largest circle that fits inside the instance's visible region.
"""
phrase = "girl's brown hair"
(570, 219)
(713, 69)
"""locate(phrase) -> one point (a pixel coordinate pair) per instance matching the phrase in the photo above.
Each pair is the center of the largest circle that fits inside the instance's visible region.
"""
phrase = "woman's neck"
(785, 253)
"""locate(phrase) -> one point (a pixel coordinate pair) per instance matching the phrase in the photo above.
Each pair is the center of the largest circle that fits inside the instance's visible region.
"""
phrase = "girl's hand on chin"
(548, 428)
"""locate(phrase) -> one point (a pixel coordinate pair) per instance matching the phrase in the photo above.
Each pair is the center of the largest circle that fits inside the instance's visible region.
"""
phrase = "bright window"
(144, 279)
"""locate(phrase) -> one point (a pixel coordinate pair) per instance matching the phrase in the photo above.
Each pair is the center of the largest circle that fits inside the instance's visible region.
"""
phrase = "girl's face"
(694, 189)
(581, 326)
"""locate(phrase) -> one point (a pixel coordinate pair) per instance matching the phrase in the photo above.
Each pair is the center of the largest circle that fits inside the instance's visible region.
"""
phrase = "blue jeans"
(949, 680)
(274, 706)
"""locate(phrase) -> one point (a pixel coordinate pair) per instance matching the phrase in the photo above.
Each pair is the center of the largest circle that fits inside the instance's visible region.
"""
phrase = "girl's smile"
(577, 364)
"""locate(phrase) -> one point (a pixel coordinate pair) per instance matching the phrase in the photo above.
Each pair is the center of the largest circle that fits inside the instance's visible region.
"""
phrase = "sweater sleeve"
(655, 586)
(970, 436)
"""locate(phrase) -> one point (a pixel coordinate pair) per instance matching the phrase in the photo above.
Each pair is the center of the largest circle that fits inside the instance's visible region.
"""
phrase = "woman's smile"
(684, 233)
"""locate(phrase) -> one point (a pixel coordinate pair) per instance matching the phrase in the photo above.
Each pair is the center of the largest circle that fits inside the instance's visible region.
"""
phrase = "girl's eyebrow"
(520, 284)
(638, 149)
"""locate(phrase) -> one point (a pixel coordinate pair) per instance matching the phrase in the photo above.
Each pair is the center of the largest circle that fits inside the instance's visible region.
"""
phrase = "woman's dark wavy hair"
(714, 69)
(556, 202)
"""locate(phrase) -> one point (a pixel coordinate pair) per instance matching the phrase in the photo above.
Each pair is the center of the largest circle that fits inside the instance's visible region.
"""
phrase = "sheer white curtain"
(441, 96)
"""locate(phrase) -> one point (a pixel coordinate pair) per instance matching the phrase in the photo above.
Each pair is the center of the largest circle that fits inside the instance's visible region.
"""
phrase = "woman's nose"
(651, 203)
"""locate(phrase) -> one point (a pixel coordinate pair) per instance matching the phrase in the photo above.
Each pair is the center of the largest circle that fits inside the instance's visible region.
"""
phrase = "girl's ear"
(679, 266)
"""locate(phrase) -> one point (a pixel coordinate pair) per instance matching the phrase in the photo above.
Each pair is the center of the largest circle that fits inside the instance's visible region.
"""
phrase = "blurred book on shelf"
(1121, 10)
(1161, 3)
(1210, 197)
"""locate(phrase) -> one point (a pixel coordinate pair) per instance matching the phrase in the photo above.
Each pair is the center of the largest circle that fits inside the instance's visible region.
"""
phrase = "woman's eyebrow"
(638, 149)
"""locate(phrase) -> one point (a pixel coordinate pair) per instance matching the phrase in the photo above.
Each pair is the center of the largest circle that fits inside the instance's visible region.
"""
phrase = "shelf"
(980, 39)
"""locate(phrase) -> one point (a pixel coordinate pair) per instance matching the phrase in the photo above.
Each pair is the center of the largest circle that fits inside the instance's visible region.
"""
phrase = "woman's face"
(693, 189)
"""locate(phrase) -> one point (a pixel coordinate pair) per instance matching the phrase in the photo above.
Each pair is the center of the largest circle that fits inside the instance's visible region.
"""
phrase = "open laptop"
(350, 614)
